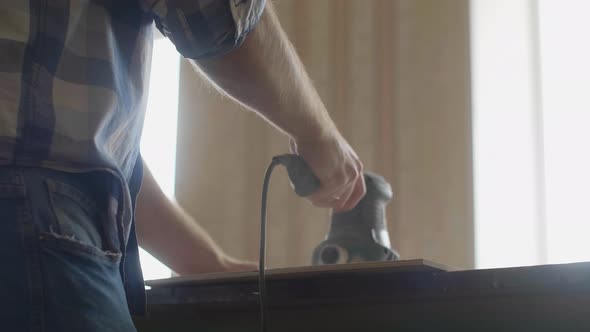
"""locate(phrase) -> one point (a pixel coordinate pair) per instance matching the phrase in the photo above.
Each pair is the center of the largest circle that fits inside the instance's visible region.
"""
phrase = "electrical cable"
(262, 254)
(305, 183)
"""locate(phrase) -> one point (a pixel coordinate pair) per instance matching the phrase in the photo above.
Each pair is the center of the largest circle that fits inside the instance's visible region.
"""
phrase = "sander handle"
(304, 181)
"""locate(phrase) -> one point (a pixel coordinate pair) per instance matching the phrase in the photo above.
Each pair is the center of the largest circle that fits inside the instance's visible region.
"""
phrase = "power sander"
(358, 235)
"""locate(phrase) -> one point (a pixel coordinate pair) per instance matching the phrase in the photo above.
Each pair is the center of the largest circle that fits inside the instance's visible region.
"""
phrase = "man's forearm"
(173, 236)
(265, 74)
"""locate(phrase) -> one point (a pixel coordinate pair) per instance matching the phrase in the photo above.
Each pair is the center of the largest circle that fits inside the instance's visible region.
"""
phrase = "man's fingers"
(329, 189)
(337, 188)
(356, 195)
(345, 197)
(331, 200)
(335, 199)
(358, 180)
(293, 146)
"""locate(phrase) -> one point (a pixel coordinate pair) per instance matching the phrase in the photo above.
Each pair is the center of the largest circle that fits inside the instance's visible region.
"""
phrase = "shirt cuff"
(246, 14)
(206, 28)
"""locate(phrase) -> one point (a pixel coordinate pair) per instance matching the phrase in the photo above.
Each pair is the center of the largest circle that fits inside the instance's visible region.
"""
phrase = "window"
(531, 116)
(158, 142)
(565, 77)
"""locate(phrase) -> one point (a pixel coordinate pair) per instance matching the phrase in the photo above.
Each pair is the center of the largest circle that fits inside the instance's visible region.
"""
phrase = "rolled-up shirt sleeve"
(206, 28)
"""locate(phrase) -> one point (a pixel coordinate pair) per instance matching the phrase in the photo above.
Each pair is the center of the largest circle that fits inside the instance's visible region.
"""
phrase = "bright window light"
(531, 113)
(158, 142)
(565, 54)
(506, 208)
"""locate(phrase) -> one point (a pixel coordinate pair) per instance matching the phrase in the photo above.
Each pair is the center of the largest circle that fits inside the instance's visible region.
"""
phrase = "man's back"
(72, 76)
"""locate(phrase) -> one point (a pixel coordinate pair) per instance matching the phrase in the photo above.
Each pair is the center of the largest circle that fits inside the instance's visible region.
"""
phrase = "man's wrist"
(318, 129)
(326, 136)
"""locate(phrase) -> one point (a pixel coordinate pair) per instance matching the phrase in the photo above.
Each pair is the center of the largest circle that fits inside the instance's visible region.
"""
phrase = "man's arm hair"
(266, 75)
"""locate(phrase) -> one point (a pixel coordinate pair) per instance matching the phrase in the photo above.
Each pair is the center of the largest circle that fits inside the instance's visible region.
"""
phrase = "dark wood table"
(403, 296)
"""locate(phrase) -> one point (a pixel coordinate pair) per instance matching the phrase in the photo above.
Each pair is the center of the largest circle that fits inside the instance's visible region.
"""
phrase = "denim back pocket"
(82, 286)
(79, 222)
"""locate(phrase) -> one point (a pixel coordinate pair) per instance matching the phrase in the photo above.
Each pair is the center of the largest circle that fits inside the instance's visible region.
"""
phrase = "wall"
(395, 76)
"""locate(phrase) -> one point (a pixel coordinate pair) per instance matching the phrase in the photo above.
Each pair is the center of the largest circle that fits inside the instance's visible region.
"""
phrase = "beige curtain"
(395, 76)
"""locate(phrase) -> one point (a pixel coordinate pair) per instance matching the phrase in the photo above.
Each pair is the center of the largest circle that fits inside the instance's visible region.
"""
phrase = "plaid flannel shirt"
(74, 75)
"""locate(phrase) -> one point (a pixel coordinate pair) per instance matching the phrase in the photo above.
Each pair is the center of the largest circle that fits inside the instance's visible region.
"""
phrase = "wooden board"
(415, 265)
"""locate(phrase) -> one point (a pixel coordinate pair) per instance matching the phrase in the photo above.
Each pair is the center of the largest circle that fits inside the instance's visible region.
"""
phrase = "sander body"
(360, 235)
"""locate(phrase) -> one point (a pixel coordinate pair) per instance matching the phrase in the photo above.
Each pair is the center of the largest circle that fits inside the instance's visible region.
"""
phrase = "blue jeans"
(60, 253)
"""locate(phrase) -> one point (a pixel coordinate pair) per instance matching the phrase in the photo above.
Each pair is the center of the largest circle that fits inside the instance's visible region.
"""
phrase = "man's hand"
(337, 167)
(231, 264)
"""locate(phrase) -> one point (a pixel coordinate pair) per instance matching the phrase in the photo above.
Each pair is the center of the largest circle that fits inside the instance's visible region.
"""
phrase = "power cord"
(262, 255)
(305, 183)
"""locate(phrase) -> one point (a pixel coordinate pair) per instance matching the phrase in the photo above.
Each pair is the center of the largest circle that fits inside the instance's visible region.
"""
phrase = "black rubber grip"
(301, 175)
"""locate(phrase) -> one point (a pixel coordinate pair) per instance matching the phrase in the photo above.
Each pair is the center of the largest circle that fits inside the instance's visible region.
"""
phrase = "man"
(73, 77)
